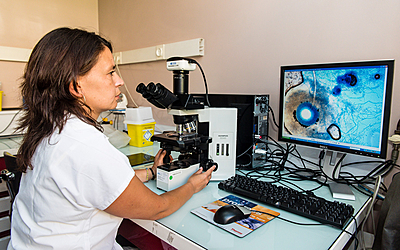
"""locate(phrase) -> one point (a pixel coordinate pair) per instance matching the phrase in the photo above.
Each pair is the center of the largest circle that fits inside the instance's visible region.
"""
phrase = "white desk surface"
(10, 144)
(184, 230)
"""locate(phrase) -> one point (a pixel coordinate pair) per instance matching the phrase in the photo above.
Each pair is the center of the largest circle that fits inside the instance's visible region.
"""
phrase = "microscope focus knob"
(211, 163)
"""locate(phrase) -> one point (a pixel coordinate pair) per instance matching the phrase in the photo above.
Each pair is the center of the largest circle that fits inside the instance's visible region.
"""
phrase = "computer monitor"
(339, 107)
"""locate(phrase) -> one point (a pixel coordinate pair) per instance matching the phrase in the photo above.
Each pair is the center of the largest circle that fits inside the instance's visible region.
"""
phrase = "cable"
(274, 161)
(12, 119)
(245, 151)
(4, 143)
(126, 88)
(355, 233)
(337, 165)
(311, 224)
(205, 82)
(346, 177)
(290, 221)
(302, 224)
(375, 194)
(278, 159)
(273, 116)
(382, 168)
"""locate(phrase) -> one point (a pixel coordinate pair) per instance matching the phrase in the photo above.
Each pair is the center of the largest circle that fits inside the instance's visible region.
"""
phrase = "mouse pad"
(239, 228)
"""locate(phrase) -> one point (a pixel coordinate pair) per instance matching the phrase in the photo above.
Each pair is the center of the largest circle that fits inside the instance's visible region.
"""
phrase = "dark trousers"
(141, 238)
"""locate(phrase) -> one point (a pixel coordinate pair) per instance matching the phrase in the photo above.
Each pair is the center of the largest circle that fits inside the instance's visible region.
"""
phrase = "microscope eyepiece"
(141, 88)
(151, 87)
(157, 94)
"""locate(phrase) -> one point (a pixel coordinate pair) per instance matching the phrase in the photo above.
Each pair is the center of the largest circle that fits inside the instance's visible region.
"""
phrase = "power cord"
(205, 81)
(374, 197)
(12, 119)
(273, 116)
(126, 88)
(302, 224)
(287, 220)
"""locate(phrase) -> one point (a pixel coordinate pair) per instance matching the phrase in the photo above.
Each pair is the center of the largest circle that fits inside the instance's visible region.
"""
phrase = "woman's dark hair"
(57, 61)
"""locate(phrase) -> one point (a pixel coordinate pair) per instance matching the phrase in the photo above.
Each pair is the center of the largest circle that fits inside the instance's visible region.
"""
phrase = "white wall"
(246, 41)
(24, 22)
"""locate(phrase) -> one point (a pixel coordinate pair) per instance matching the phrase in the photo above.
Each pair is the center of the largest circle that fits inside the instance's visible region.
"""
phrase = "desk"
(184, 230)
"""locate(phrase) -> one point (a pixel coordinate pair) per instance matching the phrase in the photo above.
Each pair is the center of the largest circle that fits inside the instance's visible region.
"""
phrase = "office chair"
(11, 176)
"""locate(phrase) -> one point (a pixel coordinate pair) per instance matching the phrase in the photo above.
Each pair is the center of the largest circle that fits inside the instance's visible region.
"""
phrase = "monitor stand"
(332, 163)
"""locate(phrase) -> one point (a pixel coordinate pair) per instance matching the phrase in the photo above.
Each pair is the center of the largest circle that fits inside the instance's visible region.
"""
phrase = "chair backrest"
(11, 175)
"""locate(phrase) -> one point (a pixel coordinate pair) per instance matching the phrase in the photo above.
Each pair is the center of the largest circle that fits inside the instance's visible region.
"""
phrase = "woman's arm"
(139, 202)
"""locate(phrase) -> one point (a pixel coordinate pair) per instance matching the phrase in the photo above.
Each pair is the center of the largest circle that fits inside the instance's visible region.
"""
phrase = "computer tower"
(252, 124)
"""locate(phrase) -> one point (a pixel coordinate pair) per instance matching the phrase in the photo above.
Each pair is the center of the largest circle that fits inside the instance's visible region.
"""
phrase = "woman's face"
(100, 86)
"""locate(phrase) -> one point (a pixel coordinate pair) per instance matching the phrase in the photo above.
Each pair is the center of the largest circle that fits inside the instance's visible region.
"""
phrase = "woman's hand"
(200, 179)
(158, 160)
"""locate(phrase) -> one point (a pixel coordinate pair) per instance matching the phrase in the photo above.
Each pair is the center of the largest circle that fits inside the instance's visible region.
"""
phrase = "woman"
(76, 186)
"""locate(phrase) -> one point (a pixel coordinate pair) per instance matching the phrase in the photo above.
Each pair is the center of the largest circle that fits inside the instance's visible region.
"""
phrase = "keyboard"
(308, 205)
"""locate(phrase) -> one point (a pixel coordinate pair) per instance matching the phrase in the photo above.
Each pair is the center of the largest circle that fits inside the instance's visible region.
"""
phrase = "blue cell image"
(348, 79)
(336, 91)
(307, 114)
(343, 105)
(334, 132)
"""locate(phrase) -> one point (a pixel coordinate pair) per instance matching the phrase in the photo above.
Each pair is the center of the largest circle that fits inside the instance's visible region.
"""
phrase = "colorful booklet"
(239, 228)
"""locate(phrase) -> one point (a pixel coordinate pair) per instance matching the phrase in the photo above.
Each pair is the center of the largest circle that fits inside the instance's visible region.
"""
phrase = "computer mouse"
(231, 213)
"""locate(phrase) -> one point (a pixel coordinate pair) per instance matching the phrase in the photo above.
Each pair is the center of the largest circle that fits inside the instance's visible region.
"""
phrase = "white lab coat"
(76, 175)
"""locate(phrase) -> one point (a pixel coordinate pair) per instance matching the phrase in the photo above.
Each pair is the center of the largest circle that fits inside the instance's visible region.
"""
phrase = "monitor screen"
(337, 106)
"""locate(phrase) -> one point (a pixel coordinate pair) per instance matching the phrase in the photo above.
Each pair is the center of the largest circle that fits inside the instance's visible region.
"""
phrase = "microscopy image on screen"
(337, 106)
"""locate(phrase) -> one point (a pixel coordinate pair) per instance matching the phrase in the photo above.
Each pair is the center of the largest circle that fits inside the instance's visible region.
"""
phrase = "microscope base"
(168, 180)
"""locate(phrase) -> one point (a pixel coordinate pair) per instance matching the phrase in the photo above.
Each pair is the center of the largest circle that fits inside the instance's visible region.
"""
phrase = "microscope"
(204, 136)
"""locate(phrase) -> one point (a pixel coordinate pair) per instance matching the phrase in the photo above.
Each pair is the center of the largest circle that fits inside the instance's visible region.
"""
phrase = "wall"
(246, 41)
(24, 22)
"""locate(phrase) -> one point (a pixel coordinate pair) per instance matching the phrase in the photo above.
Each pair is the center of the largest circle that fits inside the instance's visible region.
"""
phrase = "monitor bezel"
(386, 112)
